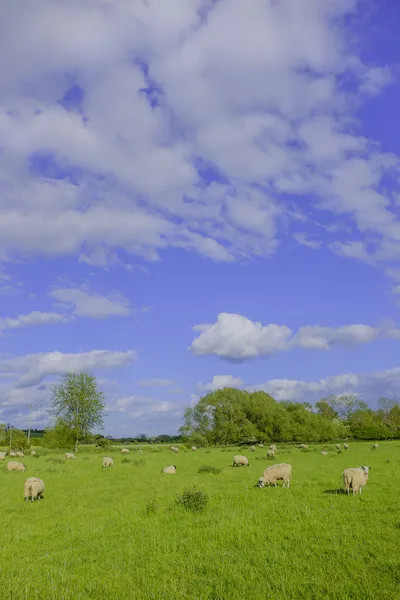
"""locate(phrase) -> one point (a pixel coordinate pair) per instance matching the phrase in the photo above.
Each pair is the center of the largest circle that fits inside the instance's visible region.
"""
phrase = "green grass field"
(117, 533)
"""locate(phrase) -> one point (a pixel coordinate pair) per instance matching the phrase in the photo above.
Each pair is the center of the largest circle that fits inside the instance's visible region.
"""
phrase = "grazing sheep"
(275, 473)
(14, 465)
(355, 479)
(375, 446)
(70, 456)
(240, 461)
(107, 462)
(324, 452)
(175, 449)
(304, 446)
(345, 446)
(3, 455)
(13, 453)
(33, 488)
(20, 454)
(272, 447)
(252, 448)
(337, 446)
(124, 451)
(33, 452)
(194, 448)
(271, 453)
(171, 470)
(261, 445)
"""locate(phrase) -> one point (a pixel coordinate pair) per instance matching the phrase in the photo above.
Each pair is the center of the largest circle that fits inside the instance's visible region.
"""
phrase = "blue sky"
(195, 198)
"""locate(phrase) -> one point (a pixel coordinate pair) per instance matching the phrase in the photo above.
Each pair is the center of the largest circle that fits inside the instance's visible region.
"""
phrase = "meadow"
(118, 534)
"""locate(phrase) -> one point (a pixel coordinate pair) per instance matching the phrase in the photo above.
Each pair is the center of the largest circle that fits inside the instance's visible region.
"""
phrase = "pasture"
(117, 534)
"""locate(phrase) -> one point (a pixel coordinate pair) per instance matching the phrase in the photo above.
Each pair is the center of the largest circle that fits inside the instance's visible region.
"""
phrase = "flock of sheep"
(354, 478)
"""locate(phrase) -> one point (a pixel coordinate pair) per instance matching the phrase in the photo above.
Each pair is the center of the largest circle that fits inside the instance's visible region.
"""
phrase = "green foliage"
(151, 508)
(193, 500)
(209, 469)
(103, 442)
(126, 461)
(16, 439)
(60, 436)
(3, 435)
(78, 403)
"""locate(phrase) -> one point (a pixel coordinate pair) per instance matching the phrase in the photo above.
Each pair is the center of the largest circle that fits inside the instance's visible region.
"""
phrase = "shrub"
(55, 461)
(193, 500)
(126, 460)
(151, 508)
(209, 469)
(103, 443)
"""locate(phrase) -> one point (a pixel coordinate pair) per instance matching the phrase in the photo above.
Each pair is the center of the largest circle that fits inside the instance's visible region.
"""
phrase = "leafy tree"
(78, 405)
(325, 409)
(344, 405)
(59, 436)
(16, 439)
(3, 434)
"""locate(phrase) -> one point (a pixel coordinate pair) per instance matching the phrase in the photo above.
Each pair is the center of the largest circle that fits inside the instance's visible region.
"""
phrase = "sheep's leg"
(288, 483)
(275, 483)
(283, 484)
(360, 489)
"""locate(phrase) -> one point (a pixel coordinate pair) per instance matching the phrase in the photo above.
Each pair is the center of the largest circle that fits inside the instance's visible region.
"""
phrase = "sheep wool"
(20, 454)
(170, 470)
(261, 445)
(324, 452)
(337, 446)
(70, 456)
(33, 452)
(14, 465)
(108, 461)
(252, 448)
(175, 449)
(281, 471)
(33, 488)
(272, 447)
(124, 450)
(355, 479)
(345, 446)
(194, 448)
(3, 455)
(270, 453)
(13, 453)
(240, 461)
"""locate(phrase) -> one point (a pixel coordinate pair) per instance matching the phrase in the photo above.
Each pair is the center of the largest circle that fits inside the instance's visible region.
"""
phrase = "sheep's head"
(366, 470)
(261, 482)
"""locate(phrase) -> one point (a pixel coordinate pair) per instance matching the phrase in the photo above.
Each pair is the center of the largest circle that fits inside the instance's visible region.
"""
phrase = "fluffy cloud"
(221, 381)
(107, 134)
(138, 407)
(155, 382)
(368, 386)
(88, 304)
(33, 318)
(235, 337)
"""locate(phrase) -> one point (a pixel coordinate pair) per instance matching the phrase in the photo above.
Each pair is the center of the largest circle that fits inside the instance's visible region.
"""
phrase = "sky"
(194, 195)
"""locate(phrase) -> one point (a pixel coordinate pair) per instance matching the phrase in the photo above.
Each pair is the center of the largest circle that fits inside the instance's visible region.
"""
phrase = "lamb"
(20, 454)
(337, 446)
(70, 456)
(355, 479)
(345, 446)
(252, 448)
(124, 451)
(240, 461)
(33, 489)
(272, 447)
(14, 465)
(271, 453)
(13, 453)
(170, 470)
(194, 448)
(274, 473)
(33, 452)
(107, 461)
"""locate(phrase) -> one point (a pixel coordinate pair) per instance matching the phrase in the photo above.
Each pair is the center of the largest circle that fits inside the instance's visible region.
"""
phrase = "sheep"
(355, 478)
(271, 453)
(375, 446)
(170, 470)
(345, 446)
(337, 446)
(3, 455)
(175, 449)
(124, 451)
(33, 452)
(274, 473)
(33, 489)
(252, 448)
(194, 448)
(261, 445)
(272, 447)
(70, 456)
(20, 454)
(304, 446)
(240, 461)
(324, 452)
(12, 453)
(14, 465)
(107, 462)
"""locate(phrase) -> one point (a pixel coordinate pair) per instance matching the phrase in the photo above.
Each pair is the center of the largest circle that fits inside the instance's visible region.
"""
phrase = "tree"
(325, 409)
(79, 404)
(3, 434)
(345, 404)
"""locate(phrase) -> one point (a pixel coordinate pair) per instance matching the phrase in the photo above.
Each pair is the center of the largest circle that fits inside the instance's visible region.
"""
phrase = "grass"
(118, 534)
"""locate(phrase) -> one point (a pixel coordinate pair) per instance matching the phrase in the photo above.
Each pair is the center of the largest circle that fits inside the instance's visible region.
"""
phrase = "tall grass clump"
(193, 500)
(209, 469)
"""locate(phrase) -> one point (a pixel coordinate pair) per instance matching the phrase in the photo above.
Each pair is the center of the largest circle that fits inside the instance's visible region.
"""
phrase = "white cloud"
(235, 337)
(303, 240)
(368, 386)
(90, 304)
(221, 381)
(33, 318)
(139, 407)
(251, 89)
(155, 382)
(31, 369)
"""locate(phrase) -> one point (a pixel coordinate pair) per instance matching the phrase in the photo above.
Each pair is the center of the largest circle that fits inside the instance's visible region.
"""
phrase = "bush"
(193, 500)
(126, 460)
(55, 461)
(139, 463)
(151, 508)
(103, 443)
(208, 469)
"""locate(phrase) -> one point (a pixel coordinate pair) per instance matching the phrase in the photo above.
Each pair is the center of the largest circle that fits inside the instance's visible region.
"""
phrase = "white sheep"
(20, 454)
(261, 445)
(33, 452)
(14, 465)
(70, 456)
(304, 446)
(240, 461)
(108, 461)
(375, 446)
(337, 446)
(271, 453)
(345, 446)
(272, 447)
(33, 488)
(170, 470)
(355, 478)
(124, 450)
(194, 448)
(175, 449)
(252, 448)
(12, 453)
(324, 452)
(274, 473)
(3, 455)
